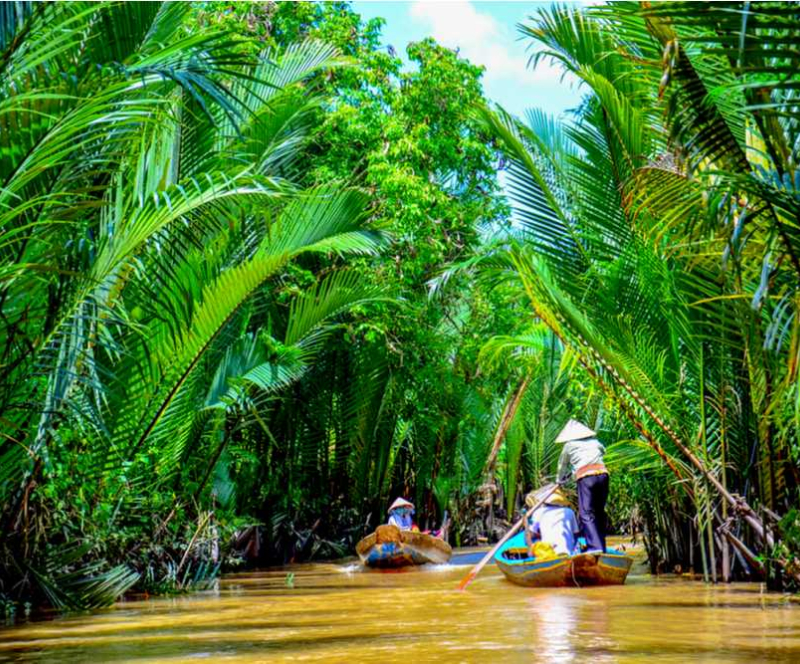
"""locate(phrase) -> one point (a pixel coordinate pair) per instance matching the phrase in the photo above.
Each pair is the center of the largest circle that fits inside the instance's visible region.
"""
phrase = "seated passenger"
(400, 515)
(554, 523)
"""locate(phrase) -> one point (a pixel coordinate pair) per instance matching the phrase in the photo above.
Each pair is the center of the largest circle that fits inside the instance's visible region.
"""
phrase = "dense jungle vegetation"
(258, 277)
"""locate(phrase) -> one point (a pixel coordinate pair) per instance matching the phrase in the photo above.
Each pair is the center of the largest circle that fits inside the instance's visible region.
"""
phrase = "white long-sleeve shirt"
(579, 453)
(557, 526)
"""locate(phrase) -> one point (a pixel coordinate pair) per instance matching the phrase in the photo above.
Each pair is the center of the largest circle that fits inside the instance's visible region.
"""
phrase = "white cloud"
(456, 23)
(481, 39)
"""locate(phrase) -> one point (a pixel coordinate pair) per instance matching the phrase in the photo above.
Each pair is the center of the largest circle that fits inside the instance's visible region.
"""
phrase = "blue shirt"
(403, 522)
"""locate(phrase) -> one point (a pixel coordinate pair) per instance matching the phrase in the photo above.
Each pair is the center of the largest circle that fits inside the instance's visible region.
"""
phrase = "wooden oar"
(469, 578)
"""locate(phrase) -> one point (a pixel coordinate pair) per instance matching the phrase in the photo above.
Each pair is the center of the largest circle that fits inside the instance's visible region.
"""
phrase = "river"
(341, 613)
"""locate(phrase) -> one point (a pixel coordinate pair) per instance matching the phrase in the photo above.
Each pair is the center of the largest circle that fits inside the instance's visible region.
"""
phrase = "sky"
(485, 33)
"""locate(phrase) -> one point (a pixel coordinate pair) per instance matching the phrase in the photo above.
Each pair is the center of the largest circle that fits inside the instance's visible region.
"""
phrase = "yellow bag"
(543, 551)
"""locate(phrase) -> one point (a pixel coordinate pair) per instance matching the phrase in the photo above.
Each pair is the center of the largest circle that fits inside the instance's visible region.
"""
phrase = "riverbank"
(340, 612)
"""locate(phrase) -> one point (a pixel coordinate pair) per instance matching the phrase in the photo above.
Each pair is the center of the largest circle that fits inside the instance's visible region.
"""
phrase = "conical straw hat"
(556, 498)
(401, 502)
(574, 431)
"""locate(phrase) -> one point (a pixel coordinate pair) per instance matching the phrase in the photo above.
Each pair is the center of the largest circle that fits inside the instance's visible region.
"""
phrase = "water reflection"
(418, 616)
(555, 633)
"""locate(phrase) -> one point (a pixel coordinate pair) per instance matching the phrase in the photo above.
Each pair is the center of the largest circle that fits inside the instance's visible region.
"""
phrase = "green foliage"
(787, 551)
(382, 410)
(258, 278)
(654, 249)
(148, 218)
(184, 354)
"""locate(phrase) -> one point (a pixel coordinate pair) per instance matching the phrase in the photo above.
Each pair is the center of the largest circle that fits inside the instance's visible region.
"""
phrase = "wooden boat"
(389, 546)
(585, 569)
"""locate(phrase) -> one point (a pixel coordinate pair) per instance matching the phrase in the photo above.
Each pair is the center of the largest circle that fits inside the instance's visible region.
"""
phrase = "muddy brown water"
(342, 613)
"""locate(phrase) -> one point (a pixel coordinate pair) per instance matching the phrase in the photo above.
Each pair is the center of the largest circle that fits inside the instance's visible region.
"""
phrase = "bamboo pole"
(746, 553)
(701, 538)
(726, 554)
(200, 526)
(711, 544)
(705, 521)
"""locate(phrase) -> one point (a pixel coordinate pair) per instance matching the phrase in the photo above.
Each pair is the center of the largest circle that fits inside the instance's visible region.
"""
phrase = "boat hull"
(390, 547)
(586, 569)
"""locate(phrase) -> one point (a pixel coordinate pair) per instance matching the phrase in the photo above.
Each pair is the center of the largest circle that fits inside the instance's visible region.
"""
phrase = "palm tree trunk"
(504, 424)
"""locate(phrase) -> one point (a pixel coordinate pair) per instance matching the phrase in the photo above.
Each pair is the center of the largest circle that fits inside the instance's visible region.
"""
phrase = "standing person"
(554, 522)
(583, 456)
(400, 514)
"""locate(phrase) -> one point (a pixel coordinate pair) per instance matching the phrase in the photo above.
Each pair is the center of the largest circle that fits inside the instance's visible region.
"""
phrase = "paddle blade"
(469, 578)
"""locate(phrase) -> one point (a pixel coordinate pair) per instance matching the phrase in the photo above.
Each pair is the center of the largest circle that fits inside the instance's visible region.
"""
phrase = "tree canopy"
(259, 277)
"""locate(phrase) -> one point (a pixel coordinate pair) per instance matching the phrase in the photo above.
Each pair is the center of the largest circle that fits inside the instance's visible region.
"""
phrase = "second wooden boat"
(389, 546)
(585, 569)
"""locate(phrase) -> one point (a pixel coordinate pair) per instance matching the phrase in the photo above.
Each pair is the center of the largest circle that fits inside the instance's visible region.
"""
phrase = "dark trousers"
(592, 496)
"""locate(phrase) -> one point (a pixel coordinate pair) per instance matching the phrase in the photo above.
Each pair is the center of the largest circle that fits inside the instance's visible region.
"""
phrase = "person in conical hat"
(574, 430)
(555, 498)
(582, 457)
(553, 522)
(400, 514)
